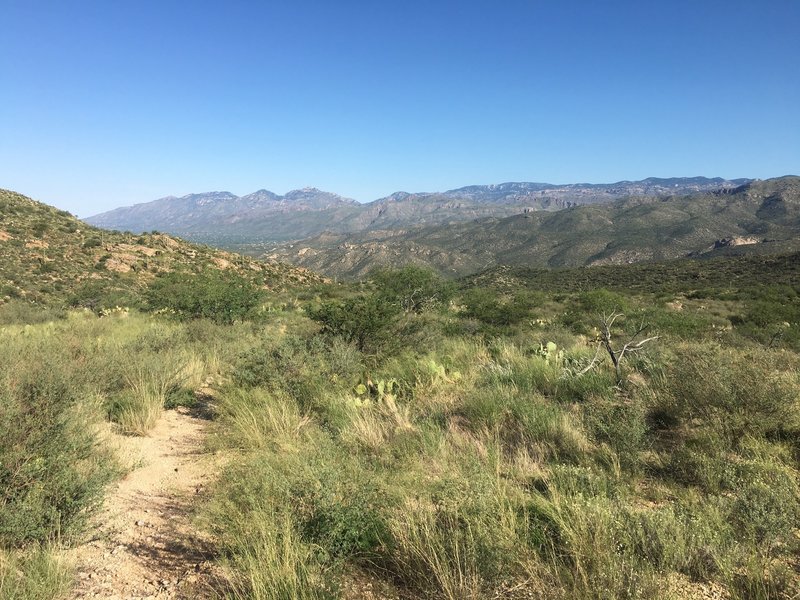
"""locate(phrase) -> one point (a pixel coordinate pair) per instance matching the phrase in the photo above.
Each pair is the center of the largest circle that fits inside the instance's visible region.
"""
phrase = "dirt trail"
(144, 544)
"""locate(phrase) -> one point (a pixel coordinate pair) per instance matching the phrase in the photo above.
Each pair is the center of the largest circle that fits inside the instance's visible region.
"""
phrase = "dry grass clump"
(37, 573)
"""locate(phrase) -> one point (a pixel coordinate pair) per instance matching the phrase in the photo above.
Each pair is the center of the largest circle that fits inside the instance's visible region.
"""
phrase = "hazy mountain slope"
(47, 253)
(763, 215)
(224, 219)
(207, 212)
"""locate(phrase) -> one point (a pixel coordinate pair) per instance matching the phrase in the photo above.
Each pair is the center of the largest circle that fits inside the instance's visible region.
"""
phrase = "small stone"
(139, 523)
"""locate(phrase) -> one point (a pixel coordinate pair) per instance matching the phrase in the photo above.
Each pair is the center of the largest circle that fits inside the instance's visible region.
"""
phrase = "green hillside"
(47, 255)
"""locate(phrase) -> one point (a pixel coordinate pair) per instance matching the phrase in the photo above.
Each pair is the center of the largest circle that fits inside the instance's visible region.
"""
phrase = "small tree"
(488, 307)
(413, 288)
(364, 320)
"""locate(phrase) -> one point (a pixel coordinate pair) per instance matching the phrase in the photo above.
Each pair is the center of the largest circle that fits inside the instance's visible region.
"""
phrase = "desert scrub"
(52, 472)
(470, 465)
(312, 372)
(312, 510)
(217, 295)
(734, 393)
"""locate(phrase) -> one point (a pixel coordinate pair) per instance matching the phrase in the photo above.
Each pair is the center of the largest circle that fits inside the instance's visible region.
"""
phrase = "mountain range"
(466, 230)
(755, 217)
(222, 218)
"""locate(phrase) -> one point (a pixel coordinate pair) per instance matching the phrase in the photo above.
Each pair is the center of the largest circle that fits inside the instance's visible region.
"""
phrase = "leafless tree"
(616, 349)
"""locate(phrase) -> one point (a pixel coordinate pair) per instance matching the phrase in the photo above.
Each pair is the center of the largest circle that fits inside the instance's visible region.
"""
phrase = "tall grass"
(256, 419)
(480, 464)
(34, 574)
(496, 467)
(149, 380)
(273, 563)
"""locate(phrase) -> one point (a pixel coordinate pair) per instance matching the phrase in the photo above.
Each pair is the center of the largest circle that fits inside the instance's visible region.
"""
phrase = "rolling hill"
(47, 254)
(759, 216)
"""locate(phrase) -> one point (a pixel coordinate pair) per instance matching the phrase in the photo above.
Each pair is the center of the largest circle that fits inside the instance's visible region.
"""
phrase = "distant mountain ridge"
(223, 218)
(198, 212)
(754, 217)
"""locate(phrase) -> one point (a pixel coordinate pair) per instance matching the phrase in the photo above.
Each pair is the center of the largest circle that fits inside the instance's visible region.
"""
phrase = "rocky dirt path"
(144, 544)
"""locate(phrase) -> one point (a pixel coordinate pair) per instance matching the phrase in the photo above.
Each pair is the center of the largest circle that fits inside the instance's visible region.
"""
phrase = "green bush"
(766, 507)
(366, 320)
(412, 288)
(220, 296)
(344, 514)
(50, 472)
(99, 294)
(735, 393)
(585, 311)
(490, 308)
(307, 370)
(287, 364)
(621, 424)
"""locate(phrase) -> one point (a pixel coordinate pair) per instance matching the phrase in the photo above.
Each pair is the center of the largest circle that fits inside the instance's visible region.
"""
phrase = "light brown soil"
(144, 544)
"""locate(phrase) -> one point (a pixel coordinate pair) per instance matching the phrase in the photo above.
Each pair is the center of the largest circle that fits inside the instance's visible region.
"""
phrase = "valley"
(764, 214)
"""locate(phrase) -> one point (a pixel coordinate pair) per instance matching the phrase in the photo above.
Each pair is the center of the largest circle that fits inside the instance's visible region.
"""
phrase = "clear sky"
(109, 103)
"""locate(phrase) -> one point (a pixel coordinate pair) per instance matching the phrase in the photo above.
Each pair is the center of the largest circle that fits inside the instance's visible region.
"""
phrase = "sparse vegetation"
(478, 447)
(491, 462)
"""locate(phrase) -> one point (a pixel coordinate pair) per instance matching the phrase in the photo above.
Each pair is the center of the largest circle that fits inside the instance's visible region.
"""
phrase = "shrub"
(766, 507)
(735, 393)
(97, 295)
(51, 474)
(413, 288)
(621, 424)
(220, 296)
(486, 306)
(308, 371)
(585, 311)
(365, 321)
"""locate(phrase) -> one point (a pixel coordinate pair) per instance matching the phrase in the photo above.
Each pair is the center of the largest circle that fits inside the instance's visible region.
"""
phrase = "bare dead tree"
(617, 352)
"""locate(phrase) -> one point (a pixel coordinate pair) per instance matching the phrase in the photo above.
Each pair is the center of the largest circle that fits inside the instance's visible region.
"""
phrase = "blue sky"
(104, 104)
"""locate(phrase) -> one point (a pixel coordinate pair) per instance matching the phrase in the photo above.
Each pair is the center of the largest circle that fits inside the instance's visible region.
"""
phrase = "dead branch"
(631, 345)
